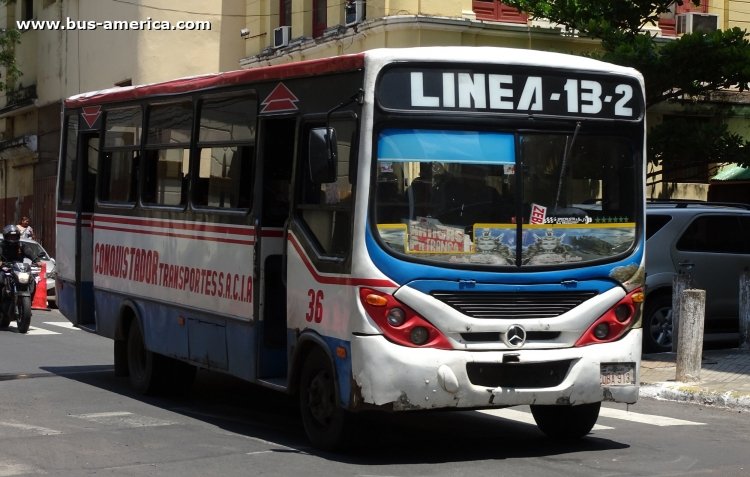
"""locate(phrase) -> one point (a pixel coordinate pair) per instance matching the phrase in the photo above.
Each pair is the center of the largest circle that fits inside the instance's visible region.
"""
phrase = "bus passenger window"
(117, 181)
(68, 169)
(226, 142)
(165, 170)
(224, 178)
(167, 160)
(118, 174)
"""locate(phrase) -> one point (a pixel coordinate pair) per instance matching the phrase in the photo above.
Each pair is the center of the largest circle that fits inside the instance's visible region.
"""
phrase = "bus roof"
(499, 56)
(215, 80)
(466, 54)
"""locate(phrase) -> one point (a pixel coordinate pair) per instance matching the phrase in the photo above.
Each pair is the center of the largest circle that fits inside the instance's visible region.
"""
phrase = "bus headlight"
(396, 317)
(419, 335)
(615, 322)
(399, 323)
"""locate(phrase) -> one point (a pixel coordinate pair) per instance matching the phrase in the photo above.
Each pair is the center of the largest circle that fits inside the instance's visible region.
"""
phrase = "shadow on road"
(382, 438)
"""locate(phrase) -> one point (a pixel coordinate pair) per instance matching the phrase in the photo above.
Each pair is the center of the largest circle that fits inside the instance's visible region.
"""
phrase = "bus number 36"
(315, 307)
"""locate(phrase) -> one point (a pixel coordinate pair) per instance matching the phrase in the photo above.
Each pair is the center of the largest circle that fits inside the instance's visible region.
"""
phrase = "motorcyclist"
(12, 251)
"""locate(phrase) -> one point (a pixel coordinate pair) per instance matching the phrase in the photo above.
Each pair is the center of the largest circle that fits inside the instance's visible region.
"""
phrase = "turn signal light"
(399, 323)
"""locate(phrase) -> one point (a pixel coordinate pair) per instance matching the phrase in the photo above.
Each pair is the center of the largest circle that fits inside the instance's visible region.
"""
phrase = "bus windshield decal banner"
(425, 145)
(504, 89)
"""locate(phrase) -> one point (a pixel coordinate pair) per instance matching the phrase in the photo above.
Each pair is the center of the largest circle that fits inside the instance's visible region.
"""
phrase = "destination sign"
(511, 90)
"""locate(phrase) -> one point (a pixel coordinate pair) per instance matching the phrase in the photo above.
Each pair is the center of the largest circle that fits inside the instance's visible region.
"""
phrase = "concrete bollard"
(681, 282)
(745, 309)
(690, 347)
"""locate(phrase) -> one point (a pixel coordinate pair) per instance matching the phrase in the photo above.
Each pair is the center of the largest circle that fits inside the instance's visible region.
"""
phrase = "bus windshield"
(502, 199)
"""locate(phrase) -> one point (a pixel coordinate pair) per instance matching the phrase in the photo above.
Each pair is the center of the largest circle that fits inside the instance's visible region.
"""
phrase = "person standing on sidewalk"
(24, 226)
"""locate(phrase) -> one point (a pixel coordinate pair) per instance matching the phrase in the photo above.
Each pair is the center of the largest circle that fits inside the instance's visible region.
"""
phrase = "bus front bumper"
(401, 378)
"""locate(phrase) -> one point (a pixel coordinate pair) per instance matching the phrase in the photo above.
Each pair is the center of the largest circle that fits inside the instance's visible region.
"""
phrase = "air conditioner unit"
(281, 36)
(697, 22)
(354, 12)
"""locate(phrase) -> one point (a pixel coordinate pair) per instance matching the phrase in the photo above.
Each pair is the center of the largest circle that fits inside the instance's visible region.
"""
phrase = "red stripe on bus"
(183, 85)
(177, 235)
(365, 282)
(167, 224)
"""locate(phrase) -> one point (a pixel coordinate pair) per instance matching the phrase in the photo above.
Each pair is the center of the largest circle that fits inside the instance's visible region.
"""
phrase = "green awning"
(732, 172)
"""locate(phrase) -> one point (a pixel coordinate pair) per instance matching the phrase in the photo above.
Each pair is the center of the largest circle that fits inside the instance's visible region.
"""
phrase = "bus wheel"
(325, 422)
(143, 365)
(566, 422)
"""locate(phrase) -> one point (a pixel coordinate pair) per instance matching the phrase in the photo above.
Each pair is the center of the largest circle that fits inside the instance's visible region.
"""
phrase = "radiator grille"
(513, 306)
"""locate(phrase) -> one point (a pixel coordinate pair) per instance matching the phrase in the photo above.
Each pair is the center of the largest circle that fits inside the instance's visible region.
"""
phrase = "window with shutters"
(494, 10)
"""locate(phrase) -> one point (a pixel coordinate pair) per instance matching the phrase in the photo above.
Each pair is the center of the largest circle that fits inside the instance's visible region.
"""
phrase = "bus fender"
(129, 312)
(306, 342)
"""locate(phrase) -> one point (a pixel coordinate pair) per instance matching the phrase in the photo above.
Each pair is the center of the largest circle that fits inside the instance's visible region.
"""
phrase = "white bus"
(394, 230)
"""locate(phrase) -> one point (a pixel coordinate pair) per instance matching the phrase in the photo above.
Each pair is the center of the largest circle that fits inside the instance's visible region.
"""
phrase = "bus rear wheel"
(566, 422)
(326, 424)
(144, 366)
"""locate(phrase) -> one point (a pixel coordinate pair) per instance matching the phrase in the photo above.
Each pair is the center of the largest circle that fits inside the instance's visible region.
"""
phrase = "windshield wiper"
(566, 153)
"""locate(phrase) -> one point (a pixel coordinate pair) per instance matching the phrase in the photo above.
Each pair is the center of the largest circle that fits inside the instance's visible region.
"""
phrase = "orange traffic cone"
(40, 295)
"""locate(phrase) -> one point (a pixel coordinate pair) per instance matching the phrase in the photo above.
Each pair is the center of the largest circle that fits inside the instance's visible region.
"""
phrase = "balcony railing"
(20, 96)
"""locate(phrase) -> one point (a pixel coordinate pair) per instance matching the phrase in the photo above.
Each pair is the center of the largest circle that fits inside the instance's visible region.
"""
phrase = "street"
(64, 413)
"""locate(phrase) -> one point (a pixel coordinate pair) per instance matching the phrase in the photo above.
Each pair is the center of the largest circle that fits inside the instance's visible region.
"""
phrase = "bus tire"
(145, 368)
(564, 421)
(24, 313)
(326, 424)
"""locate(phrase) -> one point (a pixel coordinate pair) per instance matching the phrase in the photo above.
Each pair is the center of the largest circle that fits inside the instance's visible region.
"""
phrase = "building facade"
(73, 46)
(83, 45)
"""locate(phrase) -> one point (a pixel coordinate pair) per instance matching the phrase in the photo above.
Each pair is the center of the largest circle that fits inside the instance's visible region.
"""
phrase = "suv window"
(714, 233)
(654, 223)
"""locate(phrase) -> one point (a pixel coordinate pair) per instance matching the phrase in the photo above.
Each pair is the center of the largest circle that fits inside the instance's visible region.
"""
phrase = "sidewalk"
(724, 379)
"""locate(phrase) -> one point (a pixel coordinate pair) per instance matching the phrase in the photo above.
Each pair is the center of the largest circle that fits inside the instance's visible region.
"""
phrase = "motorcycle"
(18, 285)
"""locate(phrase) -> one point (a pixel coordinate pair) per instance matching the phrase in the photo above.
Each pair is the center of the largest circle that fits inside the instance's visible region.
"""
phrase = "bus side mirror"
(323, 155)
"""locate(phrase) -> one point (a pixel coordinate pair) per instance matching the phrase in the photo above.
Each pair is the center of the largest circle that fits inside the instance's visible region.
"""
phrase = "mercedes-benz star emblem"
(515, 337)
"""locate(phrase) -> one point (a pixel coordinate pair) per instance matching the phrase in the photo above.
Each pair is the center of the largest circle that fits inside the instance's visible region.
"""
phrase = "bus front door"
(272, 186)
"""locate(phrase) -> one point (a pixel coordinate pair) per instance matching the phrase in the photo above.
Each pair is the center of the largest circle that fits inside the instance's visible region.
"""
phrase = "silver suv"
(712, 241)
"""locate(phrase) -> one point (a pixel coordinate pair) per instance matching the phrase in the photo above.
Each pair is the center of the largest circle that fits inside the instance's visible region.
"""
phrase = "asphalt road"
(64, 413)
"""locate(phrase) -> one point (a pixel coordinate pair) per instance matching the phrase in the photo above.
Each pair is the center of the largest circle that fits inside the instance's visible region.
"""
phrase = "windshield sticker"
(538, 214)
(566, 244)
(430, 236)
(394, 235)
(495, 244)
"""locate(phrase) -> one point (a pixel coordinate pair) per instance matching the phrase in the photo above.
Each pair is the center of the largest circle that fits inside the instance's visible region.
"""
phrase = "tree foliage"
(598, 18)
(9, 38)
(690, 67)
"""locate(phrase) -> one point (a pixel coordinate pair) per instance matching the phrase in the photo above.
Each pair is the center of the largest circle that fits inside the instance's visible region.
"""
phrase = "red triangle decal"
(280, 99)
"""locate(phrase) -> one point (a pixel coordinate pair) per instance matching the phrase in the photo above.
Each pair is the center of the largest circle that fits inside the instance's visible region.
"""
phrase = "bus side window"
(225, 165)
(224, 178)
(167, 156)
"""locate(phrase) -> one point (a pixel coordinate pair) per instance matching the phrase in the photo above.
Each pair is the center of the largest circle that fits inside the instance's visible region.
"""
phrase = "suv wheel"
(657, 323)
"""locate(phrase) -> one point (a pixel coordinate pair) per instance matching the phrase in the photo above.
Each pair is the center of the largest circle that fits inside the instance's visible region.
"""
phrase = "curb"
(692, 393)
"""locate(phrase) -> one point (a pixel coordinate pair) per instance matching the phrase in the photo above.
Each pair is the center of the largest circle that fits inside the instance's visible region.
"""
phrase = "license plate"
(617, 374)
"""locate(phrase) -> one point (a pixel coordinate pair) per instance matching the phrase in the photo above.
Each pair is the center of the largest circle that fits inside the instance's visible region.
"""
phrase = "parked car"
(50, 266)
(711, 242)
